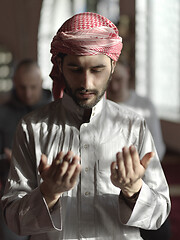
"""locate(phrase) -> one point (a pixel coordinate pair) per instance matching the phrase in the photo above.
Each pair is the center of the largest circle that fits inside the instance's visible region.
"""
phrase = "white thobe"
(93, 208)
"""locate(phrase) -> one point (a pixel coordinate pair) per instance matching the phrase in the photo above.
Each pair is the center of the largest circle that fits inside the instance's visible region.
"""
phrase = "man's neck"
(87, 115)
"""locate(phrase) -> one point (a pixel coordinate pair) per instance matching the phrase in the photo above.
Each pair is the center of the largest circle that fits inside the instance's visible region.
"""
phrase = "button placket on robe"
(87, 180)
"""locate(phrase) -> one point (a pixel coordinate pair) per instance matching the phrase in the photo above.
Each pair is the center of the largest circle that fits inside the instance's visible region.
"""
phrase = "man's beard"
(82, 103)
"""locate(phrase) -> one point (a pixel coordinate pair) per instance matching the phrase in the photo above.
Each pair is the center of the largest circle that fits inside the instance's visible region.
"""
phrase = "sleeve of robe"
(25, 210)
(153, 203)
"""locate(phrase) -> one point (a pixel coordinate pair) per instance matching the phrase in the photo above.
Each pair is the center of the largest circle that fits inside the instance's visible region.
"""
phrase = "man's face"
(119, 84)
(28, 85)
(118, 89)
(87, 77)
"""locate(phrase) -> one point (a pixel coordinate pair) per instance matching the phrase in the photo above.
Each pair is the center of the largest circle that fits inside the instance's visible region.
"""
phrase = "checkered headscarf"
(83, 34)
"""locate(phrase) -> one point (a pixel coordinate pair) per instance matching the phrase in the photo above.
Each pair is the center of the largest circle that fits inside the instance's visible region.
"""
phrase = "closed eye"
(97, 69)
(93, 69)
(75, 69)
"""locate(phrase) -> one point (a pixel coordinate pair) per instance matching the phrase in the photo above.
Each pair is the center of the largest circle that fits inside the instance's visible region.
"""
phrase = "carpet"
(171, 166)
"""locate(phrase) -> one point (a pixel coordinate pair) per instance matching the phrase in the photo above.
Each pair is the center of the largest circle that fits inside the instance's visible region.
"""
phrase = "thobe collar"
(72, 107)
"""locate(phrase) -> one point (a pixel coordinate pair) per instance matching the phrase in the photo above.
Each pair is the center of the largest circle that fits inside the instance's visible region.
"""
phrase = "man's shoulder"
(47, 95)
(122, 110)
(44, 112)
(5, 109)
(141, 101)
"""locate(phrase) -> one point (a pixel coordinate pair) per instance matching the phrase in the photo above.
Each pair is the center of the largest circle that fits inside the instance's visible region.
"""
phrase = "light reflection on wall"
(6, 60)
(158, 55)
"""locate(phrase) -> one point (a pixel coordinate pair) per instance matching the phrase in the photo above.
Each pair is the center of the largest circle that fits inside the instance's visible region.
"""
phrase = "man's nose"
(86, 80)
(28, 93)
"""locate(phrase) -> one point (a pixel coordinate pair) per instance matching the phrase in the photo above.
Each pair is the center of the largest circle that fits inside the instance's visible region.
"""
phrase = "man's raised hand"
(58, 177)
(127, 171)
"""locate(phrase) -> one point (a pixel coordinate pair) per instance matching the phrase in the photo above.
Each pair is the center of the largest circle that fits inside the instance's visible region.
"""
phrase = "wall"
(127, 32)
(171, 134)
(19, 21)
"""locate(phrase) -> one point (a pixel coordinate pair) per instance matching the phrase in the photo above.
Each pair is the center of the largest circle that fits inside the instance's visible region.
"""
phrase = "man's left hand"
(127, 171)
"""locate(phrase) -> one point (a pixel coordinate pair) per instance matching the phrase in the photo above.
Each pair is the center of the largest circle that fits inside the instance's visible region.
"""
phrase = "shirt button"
(86, 169)
(86, 146)
(87, 194)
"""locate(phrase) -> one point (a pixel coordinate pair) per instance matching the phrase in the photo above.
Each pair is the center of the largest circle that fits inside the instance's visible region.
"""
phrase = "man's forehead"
(89, 59)
(28, 69)
(31, 75)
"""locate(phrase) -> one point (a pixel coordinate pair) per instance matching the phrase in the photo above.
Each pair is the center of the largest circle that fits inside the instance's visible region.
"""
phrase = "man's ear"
(113, 65)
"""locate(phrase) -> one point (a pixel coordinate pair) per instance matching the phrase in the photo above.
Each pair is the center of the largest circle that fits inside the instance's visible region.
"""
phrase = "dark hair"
(61, 56)
(26, 64)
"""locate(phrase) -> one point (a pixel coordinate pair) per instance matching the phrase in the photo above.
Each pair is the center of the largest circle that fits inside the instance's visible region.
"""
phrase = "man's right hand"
(59, 177)
(8, 153)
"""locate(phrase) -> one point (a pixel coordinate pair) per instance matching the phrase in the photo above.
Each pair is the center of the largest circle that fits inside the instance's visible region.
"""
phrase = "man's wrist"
(129, 193)
(130, 201)
(133, 197)
(50, 199)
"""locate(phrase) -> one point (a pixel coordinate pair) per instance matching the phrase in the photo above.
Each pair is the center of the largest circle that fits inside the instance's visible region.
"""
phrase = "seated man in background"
(27, 95)
(120, 92)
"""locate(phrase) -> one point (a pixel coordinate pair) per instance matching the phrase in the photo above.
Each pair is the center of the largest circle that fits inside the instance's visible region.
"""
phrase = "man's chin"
(86, 104)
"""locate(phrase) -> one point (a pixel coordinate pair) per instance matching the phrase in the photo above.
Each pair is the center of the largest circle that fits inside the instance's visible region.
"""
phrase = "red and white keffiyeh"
(83, 34)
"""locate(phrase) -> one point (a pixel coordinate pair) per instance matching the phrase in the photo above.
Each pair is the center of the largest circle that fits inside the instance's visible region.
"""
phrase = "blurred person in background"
(27, 95)
(119, 91)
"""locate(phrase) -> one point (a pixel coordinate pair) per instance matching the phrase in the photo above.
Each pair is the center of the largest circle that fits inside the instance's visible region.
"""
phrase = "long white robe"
(93, 208)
